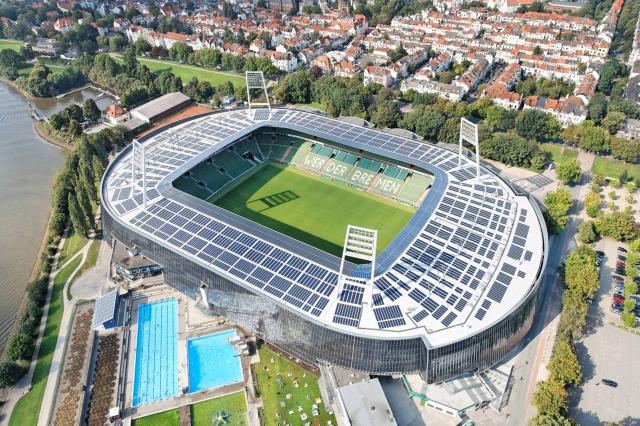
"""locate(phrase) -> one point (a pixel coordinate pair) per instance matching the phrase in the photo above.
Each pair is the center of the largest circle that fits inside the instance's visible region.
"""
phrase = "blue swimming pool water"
(213, 362)
(156, 369)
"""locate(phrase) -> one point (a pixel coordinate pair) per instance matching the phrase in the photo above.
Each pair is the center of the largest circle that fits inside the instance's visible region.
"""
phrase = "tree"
(564, 365)
(386, 114)
(534, 124)
(614, 122)
(509, 148)
(558, 203)
(620, 226)
(10, 373)
(586, 232)
(551, 398)
(568, 171)
(295, 88)
(546, 420)
(592, 138)
(117, 43)
(74, 129)
(180, 51)
(78, 219)
(19, 347)
(625, 149)
(609, 72)
(142, 46)
(90, 110)
(9, 58)
(129, 61)
(597, 107)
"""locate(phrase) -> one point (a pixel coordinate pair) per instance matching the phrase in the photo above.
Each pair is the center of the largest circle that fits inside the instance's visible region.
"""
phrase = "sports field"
(312, 209)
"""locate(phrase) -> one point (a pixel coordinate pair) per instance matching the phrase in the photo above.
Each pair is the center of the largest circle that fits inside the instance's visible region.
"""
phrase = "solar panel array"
(457, 256)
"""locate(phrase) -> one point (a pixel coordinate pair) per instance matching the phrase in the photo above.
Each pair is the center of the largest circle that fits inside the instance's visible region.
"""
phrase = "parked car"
(618, 279)
(618, 298)
(621, 271)
(616, 308)
(622, 258)
(622, 250)
(622, 265)
(610, 382)
(619, 287)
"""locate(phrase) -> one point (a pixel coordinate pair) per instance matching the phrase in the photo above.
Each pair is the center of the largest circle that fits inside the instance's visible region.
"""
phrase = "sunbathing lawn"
(612, 168)
(72, 245)
(165, 418)
(558, 152)
(233, 407)
(26, 411)
(273, 393)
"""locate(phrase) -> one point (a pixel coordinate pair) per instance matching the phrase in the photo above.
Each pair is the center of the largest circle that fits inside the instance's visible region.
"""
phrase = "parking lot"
(607, 352)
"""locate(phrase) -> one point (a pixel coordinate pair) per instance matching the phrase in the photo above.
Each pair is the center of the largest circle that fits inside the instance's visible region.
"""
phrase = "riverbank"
(45, 134)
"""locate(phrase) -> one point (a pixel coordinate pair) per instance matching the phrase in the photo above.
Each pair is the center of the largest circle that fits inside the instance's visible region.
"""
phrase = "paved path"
(23, 386)
(65, 327)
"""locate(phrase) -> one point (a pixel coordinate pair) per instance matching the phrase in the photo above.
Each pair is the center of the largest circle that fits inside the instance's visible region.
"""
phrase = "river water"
(48, 106)
(27, 167)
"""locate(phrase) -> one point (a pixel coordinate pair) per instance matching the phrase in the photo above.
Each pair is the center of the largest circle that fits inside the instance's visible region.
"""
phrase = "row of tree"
(580, 277)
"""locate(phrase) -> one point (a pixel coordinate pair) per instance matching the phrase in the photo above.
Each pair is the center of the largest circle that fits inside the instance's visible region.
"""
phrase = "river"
(27, 167)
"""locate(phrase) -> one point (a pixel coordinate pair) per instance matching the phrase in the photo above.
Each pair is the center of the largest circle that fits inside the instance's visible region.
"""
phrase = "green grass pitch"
(312, 209)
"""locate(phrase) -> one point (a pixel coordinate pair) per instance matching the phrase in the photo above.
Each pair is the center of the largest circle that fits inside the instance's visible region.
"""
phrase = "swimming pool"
(213, 362)
(156, 369)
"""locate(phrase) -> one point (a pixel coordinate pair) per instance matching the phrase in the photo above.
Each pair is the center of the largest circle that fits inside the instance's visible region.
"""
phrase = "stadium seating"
(415, 187)
(190, 186)
(233, 164)
(249, 145)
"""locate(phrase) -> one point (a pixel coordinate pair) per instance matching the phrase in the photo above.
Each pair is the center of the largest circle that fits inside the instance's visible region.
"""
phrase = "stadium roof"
(471, 253)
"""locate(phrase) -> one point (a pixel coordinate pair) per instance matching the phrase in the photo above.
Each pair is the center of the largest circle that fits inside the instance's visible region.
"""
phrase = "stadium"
(333, 241)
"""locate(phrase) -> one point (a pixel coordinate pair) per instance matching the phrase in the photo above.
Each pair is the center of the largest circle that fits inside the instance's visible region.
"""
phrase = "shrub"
(586, 232)
(20, 346)
(10, 373)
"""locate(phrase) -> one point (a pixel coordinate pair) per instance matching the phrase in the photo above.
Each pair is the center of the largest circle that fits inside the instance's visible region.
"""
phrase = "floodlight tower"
(469, 134)
(138, 165)
(360, 243)
(255, 80)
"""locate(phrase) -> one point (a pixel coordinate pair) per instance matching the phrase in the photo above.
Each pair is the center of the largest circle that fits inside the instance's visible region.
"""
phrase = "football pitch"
(312, 209)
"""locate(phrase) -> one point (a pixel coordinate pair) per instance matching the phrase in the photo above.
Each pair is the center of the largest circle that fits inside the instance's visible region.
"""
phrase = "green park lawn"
(26, 411)
(558, 152)
(11, 44)
(233, 407)
(187, 72)
(165, 418)
(313, 209)
(276, 380)
(72, 245)
(612, 168)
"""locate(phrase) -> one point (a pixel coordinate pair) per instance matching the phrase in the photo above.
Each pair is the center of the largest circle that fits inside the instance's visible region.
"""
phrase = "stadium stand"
(415, 187)
(384, 179)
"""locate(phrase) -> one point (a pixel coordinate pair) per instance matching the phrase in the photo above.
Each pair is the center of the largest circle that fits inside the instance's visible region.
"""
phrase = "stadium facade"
(453, 293)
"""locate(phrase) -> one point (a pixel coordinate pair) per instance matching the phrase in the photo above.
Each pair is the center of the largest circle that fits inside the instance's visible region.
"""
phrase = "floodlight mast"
(469, 134)
(137, 157)
(360, 243)
(255, 80)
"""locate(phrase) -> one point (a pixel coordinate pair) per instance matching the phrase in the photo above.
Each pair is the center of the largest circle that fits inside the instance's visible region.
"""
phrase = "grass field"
(165, 418)
(558, 152)
(72, 245)
(611, 168)
(232, 406)
(26, 411)
(313, 209)
(11, 44)
(278, 379)
(187, 72)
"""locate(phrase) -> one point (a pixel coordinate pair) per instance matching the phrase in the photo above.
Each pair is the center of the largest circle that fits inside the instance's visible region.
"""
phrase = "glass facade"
(312, 341)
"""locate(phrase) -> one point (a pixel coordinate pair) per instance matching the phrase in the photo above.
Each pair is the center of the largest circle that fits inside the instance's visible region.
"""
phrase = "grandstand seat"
(414, 187)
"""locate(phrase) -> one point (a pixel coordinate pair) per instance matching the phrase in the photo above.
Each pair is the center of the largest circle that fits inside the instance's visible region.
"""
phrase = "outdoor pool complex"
(213, 362)
(156, 369)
